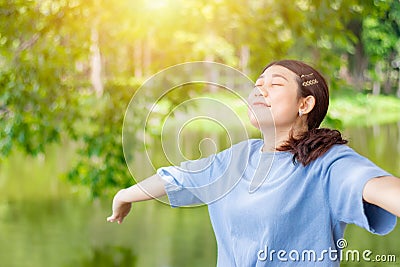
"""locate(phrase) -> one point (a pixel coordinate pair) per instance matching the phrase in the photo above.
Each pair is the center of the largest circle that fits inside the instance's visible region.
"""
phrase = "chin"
(264, 122)
(253, 120)
(255, 124)
(259, 124)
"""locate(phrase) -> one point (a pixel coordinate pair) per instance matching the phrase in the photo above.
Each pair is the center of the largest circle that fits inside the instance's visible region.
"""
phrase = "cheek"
(285, 114)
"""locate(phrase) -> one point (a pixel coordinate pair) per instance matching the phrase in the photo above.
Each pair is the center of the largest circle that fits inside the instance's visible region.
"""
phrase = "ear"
(306, 104)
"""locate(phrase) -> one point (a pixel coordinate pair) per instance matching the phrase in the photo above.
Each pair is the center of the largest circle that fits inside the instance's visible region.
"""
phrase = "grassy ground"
(365, 110)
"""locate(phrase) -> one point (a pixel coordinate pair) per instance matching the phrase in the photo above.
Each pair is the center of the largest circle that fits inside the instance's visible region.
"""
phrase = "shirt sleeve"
(206, 180)
(348, 172)
(192, 181)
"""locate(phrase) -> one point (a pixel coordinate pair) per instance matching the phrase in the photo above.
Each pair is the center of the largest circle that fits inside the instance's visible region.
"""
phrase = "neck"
(274, 137)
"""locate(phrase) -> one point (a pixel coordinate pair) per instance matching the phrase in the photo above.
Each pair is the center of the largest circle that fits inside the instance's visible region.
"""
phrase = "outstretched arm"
(384, 192)
(147, 189)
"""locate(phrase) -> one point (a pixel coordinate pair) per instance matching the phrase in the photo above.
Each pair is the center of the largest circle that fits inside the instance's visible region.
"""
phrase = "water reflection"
(109, 256)
(44, 223)
(381, 144)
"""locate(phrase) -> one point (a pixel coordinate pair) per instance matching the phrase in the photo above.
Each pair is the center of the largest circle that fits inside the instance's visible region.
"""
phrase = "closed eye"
(278, 81)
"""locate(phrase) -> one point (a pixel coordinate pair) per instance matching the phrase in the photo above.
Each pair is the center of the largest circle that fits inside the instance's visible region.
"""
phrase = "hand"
(120, 209)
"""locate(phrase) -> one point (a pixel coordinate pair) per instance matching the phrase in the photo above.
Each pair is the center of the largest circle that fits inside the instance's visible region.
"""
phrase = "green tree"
(381, 40)
(54, 55)
(39, 92)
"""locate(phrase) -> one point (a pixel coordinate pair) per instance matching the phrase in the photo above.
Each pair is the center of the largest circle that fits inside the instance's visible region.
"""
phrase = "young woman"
(286, 197)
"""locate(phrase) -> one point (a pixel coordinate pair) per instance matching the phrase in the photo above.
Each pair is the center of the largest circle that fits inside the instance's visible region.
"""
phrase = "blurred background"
(68, 69)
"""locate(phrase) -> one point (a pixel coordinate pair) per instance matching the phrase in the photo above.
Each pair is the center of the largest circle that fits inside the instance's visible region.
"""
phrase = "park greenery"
(68, 68)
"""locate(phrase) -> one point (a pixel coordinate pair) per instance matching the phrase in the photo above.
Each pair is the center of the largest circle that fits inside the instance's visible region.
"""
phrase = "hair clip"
(306, 75)
(309, 82)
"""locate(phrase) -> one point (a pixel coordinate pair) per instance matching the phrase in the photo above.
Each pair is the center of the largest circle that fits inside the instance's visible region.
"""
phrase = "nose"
(259, 91)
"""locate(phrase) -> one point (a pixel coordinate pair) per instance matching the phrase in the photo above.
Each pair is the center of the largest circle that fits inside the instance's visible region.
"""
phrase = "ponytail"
(312, 144)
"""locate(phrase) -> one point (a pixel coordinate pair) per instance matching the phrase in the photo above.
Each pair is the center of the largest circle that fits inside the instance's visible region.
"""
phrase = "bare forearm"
(385, 193)
(150, 188)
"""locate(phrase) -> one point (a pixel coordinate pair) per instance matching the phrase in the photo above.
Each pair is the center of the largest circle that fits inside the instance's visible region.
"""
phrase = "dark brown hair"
(314, 142)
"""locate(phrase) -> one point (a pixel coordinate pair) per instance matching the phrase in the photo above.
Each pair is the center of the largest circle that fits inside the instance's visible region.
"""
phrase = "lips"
(262, 104)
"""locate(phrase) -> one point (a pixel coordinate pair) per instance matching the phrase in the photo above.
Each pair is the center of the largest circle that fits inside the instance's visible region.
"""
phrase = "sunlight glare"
(157, 4)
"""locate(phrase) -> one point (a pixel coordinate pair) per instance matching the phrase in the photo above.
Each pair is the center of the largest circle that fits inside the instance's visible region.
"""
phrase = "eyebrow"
(274, 76)
(279, 75)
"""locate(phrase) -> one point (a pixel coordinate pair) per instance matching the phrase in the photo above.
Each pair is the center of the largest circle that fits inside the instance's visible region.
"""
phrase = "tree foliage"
(39, 49)
(47, 60)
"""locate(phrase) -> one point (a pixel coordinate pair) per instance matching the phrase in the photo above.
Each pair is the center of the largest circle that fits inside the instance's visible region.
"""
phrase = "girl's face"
(274, 101)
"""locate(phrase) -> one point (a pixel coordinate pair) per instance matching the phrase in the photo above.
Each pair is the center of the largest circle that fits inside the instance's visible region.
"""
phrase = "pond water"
(44, 221)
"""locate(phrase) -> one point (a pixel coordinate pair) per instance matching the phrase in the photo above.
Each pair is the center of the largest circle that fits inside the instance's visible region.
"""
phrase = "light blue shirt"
(266, 210)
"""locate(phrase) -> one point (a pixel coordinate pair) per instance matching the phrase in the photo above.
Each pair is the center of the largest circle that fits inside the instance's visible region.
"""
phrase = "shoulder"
(343, 161)
(243, 149)
(337, 152)
(337, 155)
(248, 145)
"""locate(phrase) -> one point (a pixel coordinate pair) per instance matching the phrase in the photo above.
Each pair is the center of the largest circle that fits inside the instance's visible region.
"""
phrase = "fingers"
(119, 212)
(114, 218)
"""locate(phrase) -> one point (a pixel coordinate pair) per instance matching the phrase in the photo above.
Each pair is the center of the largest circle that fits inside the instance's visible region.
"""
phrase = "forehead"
(277, 70)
